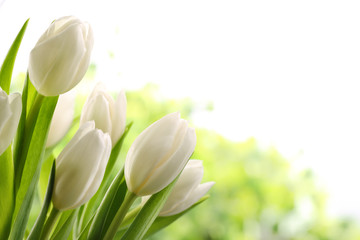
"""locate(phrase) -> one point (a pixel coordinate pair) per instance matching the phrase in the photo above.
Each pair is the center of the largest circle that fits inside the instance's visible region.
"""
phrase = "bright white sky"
(286, 72)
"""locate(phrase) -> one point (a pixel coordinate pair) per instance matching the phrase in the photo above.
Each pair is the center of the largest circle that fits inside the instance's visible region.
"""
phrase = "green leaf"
(19, 138)
(9, 61)
(115, 152)
(108, 207)
(95, 201)
(7, 192)
(32, 164)
(85, 230)
(148, 213)
(28, 133)
(63, 218)
(63, 229)
(19, 226)
(45, 172)
(23, 138)
(77, 227)
(36, 230)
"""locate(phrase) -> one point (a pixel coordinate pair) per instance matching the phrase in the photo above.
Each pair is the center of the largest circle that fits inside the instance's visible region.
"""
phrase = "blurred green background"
(257, 195)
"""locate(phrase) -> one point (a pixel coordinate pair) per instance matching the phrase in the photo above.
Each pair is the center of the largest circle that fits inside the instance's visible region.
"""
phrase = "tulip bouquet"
(86, 197)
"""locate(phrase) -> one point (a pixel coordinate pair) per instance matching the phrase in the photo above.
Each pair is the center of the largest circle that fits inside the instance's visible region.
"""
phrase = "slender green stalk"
(131, 215)
(50, 223)
(128, 201)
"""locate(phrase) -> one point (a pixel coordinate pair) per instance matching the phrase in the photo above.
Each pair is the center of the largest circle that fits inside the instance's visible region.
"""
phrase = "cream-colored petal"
(98, 110)
(61, 57)
(100, 172)
(5, 111)
(189, 179)
(8, 130)
(62, 118)
(148, 149)
(80, 133)
(164, 174)
(195, 196)
(119, 117)
(76, 174)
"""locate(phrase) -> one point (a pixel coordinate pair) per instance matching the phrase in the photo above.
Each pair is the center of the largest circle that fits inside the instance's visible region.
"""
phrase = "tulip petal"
(81, 132)
(5, 111)
(84, 63)
(61, 57)
(119, 117)
(98, 109)
(75, 176)
(109, 116)
(148, 149)
(10, 121)
(198, 192)
(101, 170)
(168, 170)
(189, 179)
(62, 118)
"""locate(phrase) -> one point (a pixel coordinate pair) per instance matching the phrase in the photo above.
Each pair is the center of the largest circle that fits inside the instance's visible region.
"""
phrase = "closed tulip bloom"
(62, 118)
(159, 154)
(187, 190)
(10, 111)
(80, 167)
(61, 57)
(109, 114)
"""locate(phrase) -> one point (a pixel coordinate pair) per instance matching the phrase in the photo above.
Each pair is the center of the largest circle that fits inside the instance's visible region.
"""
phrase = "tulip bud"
(10, 112)
(61, 57)
(80, 167)
(187, 190)
(158, 155)
(109, 115)
(62, 118)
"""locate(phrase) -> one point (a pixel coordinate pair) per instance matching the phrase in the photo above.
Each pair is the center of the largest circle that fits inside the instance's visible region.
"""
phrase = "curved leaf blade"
(36, 231)
(9, 61)
(7, 192)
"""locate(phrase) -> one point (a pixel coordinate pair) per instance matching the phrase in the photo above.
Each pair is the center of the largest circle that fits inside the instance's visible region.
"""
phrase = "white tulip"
(62, 118)
(61, 57)
(10, 112)
(109, 115)
(159, 154)
(80, 167)
(187, 190)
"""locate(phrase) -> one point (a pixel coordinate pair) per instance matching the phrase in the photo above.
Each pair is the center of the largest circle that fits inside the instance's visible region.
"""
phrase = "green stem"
(131, 215)
(49, 224)
(128, 201)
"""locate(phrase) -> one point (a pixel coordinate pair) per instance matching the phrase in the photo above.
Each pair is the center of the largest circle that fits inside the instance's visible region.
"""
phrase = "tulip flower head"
(80, 167)
(10, 112)
(61, 57)
(159, 154)
(62, 118)
(187, 190)
(109, 114)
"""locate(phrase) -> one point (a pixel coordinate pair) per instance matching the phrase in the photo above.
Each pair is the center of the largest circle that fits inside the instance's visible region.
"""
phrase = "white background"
(285, 72)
